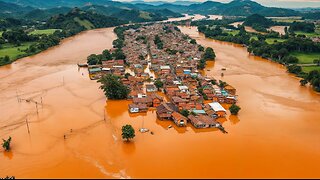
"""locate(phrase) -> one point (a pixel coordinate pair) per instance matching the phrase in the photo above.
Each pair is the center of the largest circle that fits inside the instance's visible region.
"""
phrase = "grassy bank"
(14, 51)
(44, 31)
(306, 58)
(273, 40)
(307, 69)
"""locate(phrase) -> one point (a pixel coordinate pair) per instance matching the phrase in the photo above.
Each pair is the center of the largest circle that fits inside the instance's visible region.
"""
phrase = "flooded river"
(277, 133)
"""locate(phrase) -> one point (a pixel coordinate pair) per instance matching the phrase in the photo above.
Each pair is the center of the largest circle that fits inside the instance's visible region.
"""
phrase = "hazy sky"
(274, 3)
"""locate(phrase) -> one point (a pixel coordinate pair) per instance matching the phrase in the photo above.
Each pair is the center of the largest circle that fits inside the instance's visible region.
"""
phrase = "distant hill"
(122, 11)
(39, 14)
(77, 20)
(134, 15)
(258, 20)
(157, 3)
(311, 15)
(10, 9)
(56, 3)
(233, 8)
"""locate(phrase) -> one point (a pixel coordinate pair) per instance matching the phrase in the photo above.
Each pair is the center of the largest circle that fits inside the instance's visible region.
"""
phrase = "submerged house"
(135, 108)
(165, 110)
(231, 90)
(95, 73)
(218, 109)
(202, 121)
(179, 119)
(143, 100)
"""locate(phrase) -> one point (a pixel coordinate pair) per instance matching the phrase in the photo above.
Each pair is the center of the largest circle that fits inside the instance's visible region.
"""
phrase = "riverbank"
(276, 132)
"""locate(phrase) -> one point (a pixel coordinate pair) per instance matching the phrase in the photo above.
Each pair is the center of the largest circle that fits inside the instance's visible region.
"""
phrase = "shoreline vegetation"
(298, 52)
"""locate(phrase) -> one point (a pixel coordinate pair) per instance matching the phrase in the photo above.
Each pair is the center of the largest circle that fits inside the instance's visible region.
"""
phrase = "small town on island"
(173, 89)
(161, 68)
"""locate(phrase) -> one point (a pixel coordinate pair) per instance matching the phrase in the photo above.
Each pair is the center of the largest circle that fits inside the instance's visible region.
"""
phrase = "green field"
(272, 40)
(315, 34)
(306, 58)
(287, 19)
(233, 32)
(44, 31)
(254, 37)
(85, 23)
(12, 51)
(145, 15)
(310, 68)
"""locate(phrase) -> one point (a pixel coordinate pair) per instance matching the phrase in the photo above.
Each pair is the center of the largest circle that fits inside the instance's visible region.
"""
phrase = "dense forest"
(258, 22)
(302, 26)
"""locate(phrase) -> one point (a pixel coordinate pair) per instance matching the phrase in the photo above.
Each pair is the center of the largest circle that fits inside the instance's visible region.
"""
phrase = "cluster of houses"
(174, 64)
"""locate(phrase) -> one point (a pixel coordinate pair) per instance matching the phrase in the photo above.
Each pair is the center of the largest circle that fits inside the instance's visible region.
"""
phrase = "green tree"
(127, 75)
(294, 69)
(158, 83)
(185, 112)
(222, 84)
(317, 61)
(209, 54)
(6, 144)
(118, 54)
(234, 109)
(113, 87)
(193, 41)
(200, 48)
(141, 57)
(107, 55)
(93, 59)
(303, 82)
(128, 132)
(6, 59)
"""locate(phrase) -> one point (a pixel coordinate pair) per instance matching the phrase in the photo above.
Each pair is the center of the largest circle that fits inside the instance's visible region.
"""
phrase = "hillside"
(107, 7)
(39, 14)
(258, 20)
(10, 9)
(234, 8)
(122, 11)
(78, 20)
(57, 3)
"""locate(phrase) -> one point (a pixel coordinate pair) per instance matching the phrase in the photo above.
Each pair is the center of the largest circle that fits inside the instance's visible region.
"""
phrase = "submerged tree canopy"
(127, 132)
(113, 87)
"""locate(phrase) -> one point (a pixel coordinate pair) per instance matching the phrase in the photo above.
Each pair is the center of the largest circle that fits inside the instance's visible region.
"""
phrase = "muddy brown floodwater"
(277, 133)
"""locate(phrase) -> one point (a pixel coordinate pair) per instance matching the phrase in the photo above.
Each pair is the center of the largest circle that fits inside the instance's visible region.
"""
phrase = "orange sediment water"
(276, 134)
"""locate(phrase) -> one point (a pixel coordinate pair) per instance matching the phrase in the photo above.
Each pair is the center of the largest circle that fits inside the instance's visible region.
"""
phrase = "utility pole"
(27, 124)
(18, 96)
(37, 108)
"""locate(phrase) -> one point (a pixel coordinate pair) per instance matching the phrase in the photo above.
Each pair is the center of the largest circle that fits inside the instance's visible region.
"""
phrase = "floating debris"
(143, 130)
